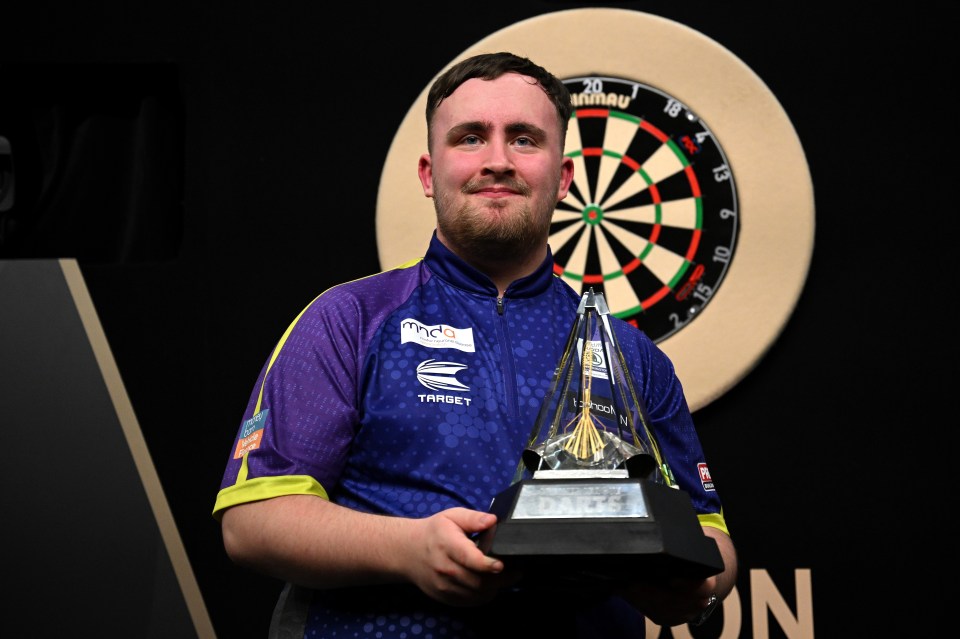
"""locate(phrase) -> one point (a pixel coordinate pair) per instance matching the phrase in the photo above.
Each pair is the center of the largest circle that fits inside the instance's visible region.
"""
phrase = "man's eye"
(471, 140)
(523, 141)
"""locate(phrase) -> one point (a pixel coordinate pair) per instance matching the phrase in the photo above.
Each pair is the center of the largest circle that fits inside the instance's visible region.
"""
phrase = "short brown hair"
(490, 66)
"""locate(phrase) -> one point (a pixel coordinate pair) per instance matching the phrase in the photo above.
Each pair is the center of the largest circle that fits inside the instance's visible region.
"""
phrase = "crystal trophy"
(592, 498)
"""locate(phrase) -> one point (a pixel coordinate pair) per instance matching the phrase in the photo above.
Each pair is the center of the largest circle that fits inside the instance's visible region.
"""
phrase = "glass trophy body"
(592, 498)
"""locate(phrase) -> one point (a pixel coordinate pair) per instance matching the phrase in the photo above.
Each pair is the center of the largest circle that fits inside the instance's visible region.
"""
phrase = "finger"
(470, 557)
(467, 554)
(471, 521)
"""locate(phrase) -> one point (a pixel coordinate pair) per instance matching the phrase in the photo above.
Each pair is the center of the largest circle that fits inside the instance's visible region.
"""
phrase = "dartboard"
(651, 216)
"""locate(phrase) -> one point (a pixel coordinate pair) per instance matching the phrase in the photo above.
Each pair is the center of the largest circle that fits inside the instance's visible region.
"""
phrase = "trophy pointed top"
(594, 301)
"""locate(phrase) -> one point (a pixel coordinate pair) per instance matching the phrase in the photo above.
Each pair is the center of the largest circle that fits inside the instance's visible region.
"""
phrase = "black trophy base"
(665, 541)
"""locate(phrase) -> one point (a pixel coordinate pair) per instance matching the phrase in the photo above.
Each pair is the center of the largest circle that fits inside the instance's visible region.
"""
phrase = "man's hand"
(673, 602)
(446, 564)
(677, 601)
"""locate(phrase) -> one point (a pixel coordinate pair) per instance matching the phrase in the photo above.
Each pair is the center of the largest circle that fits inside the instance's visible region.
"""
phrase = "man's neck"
(502, 271)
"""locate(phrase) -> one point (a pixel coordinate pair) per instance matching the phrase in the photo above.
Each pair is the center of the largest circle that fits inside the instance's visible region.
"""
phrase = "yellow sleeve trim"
(265, 488)
(715, 521)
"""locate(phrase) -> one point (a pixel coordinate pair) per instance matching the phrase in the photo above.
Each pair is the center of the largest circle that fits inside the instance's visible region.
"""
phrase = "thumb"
(471, 521)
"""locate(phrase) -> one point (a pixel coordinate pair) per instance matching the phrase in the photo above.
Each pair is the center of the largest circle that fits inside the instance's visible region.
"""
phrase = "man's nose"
(499, 158)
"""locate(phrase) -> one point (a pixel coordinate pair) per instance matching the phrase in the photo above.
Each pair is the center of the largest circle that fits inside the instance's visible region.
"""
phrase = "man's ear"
(425, 171)
(566, 177)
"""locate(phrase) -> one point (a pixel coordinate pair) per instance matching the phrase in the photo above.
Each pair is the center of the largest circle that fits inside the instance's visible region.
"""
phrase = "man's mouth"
(497, 189)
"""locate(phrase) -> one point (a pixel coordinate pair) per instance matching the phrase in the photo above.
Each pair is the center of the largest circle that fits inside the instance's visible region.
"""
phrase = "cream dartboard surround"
(692, 205)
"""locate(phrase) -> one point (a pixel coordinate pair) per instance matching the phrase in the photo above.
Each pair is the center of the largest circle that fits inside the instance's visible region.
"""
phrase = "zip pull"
(499, 306)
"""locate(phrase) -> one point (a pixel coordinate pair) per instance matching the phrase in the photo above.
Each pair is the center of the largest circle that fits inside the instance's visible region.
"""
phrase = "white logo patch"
(440, 376)
(437, 336)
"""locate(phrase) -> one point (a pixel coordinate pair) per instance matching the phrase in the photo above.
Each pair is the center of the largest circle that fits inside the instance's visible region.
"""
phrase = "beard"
(496, 231)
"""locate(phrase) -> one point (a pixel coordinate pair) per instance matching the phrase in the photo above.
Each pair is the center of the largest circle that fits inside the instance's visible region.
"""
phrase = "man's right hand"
(446, 564)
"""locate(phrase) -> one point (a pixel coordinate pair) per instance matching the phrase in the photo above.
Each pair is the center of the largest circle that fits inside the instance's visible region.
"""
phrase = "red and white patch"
(705, 478)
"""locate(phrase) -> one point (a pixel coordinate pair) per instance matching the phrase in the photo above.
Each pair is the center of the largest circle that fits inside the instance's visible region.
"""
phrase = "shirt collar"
(445, 264)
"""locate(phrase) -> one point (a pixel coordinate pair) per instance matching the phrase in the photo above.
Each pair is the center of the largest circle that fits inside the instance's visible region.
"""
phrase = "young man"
(351, 480)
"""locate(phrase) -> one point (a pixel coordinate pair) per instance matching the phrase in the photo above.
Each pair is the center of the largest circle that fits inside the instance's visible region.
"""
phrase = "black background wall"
(268, 126)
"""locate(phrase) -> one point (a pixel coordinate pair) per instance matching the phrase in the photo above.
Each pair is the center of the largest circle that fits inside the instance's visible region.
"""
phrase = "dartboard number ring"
(651, 218)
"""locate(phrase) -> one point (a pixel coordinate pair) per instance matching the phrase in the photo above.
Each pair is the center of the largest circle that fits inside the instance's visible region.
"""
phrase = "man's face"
(495, 171)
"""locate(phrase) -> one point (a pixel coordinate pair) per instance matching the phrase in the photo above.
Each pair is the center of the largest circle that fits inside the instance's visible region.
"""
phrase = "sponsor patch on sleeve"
(705, 478)
(251, 434)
